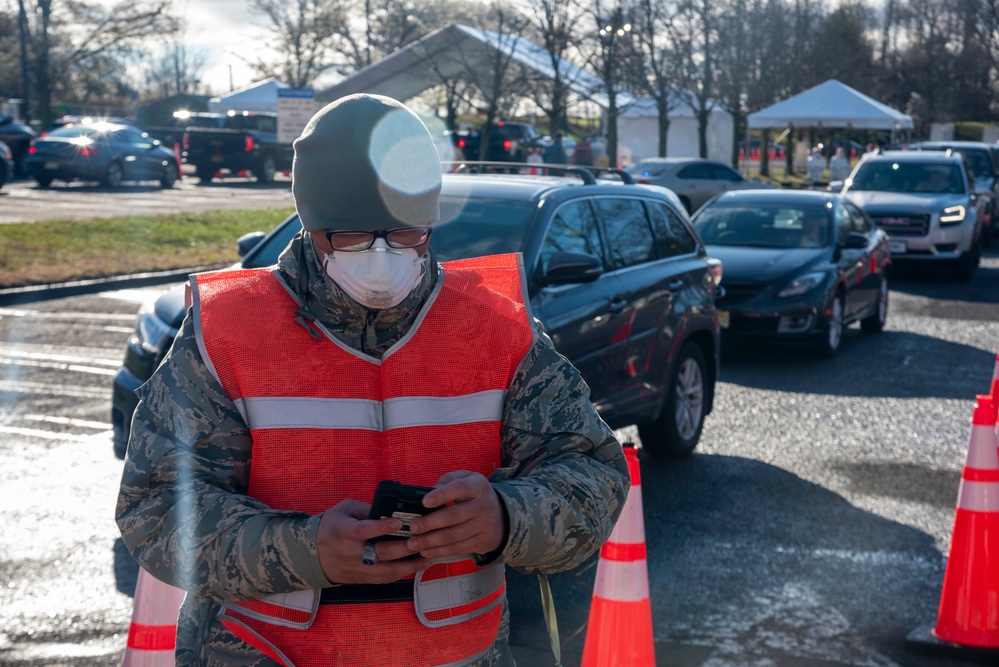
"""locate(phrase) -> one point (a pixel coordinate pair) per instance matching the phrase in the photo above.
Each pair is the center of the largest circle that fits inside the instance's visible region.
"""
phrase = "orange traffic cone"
(619, 632)
(967, 624)
(152, 636)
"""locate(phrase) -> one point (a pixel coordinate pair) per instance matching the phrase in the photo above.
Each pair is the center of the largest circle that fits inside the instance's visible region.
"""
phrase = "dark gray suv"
(616, 272)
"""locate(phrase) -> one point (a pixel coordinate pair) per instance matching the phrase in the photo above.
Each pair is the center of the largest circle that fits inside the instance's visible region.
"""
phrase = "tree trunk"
(663, 109)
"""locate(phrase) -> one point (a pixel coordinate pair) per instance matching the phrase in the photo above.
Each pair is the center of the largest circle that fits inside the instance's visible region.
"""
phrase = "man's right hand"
(343, 531)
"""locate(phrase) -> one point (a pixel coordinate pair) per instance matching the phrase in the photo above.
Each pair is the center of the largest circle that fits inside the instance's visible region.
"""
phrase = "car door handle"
(675, 285)
(617, 306)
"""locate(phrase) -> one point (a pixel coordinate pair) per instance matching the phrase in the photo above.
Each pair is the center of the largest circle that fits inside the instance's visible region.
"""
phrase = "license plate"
(723, 318)
(897, 247)
(217, 158)
(51, 165)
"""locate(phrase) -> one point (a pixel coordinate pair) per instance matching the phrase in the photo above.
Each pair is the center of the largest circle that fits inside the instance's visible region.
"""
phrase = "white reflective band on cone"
(982, 452)
(978, 496)
(622, 581)
(630, 526)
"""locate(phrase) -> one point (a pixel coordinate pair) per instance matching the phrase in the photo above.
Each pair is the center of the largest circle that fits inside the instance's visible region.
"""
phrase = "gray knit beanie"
(365, 163)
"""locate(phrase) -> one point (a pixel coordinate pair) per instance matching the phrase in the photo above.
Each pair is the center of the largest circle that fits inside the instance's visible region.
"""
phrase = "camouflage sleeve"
(181, 508)
(564, 479)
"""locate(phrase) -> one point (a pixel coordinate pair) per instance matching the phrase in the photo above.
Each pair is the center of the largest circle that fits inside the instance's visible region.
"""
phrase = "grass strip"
(52, 251)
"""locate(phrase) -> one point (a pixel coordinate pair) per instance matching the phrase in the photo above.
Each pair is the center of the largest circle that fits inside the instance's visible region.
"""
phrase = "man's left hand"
(470, 518)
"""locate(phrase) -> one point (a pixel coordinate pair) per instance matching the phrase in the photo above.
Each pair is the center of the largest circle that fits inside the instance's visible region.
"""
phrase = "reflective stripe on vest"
(368, 415)
(328, 423)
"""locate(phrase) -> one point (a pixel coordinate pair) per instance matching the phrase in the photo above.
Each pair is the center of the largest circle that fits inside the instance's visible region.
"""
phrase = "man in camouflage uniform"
(185, 515)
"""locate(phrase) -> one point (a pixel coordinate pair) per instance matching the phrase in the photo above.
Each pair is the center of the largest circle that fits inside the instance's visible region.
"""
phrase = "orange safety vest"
(328, 423)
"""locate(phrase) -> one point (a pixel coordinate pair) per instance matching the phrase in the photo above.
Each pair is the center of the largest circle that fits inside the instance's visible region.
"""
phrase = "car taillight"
(461, 143)
(31, 149)
(642, 181)
(88, 150)
(249, 144)
(507, 144)
(714, 272)
(186, 140)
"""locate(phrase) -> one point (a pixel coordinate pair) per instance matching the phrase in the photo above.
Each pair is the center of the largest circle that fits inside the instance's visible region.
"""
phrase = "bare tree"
(697, 36)
(611, 51)
(176, 71)
(662, 67)
(553, 22)
(76, 46)
(307, 35)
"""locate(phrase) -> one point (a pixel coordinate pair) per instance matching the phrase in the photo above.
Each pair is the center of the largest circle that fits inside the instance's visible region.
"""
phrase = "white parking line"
(68, 421)
(36, 433)
(21, 353)
(76, 368)
(45, 389)
(63, 315)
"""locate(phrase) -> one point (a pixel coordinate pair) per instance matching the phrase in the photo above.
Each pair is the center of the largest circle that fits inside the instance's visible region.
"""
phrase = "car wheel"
(876, 321)
(676, 432)
(205, 173)
(114, 176)
(3, 174)
(832, 334)
(169, 175)
(965, 265)
(43, 181)
(265, 174)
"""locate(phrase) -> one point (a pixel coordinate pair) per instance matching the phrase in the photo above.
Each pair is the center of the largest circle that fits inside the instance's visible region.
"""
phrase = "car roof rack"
(587, 174)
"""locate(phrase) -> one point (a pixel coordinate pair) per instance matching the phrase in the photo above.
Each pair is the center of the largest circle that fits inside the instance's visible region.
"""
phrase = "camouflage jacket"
(184, 515)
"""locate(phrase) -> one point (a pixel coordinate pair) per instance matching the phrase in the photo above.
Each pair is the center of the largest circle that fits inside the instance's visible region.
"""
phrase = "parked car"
(616, 273)
(18, 137)
(6, 163)
(509, 141)
(694, 180)
(979, 158)
(247, 141)
(926, 202)
(106, 152)
(800, 266)
(172, 132)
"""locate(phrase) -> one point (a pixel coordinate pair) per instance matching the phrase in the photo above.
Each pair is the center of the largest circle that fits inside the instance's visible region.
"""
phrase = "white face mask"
(377, 278)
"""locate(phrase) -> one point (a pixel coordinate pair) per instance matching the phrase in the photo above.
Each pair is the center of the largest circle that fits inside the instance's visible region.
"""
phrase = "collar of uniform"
(343, 316)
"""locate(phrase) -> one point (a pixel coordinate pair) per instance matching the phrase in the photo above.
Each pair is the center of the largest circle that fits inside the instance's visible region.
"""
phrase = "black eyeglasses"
(403, 237)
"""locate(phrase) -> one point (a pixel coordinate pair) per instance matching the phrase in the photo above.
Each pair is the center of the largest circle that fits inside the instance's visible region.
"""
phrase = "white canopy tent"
(638, 132)
(831, 105)
(259, 96)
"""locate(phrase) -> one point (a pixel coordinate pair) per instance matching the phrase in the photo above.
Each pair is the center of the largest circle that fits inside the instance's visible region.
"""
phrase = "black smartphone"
(399, 501)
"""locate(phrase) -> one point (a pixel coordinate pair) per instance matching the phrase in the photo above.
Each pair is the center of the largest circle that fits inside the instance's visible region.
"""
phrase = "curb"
(19, 295)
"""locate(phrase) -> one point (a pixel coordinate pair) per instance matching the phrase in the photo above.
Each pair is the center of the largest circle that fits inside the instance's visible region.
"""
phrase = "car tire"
(114, 175)
(875, 322)
(205, 173)
(43, 181)
(265, 173)
(965, 265)
(169, 175)
(674, 434)
(832, 332)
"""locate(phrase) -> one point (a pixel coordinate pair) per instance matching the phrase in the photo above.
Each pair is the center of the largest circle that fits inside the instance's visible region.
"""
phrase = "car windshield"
(916, 177)
(764, 225)
(480, 226)
(468, 228)
(980, 162)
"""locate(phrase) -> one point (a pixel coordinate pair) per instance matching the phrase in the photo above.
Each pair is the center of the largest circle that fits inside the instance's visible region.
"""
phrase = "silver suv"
(926, 202)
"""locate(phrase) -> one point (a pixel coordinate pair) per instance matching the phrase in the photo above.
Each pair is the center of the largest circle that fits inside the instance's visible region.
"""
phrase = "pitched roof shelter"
(832, 105)
(452, 51)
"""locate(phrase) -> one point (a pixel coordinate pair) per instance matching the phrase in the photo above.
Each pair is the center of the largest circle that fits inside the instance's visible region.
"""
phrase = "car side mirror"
(248, 242)
(572, 267)
(836, 186)
(855, 241)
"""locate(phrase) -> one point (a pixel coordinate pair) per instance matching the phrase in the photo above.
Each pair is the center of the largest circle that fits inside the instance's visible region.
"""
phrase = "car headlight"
(802, 285)
(952, 215)
(151, 332)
